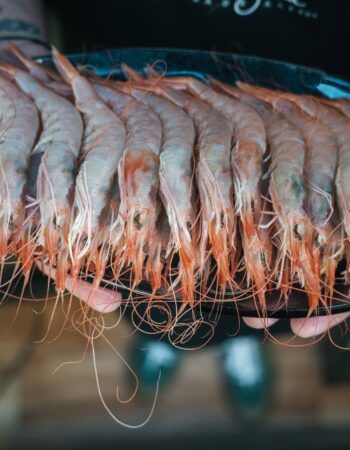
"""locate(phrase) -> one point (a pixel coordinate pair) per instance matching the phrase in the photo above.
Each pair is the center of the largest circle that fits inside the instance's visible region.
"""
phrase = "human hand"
(100, 299)
(302, 327)
(23, 22)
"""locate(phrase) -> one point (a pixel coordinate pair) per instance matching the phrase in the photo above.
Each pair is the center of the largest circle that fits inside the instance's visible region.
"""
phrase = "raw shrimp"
(41, 73)
(102, 148)
(115, 222)
(38, 71)
(18, 129)
(176, 181)
(55, 156)
(287, 191)
(249, 146)
(138, 175)
(320, 171)
(339, 124)
(214, 180)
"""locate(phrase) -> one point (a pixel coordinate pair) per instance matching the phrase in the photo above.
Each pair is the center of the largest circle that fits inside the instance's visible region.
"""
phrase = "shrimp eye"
(296, 231)
(298, 185)
(137, 222)
(222, 219)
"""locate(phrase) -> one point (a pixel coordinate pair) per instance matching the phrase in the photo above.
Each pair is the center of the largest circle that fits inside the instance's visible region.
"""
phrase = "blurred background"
(49, 398)
(240, 392)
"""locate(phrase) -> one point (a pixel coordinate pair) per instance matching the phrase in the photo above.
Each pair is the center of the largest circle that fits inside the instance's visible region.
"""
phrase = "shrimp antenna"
(64, 66)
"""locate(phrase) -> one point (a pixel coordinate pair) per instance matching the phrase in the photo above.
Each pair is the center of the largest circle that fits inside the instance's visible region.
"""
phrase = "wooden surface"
(43, 395)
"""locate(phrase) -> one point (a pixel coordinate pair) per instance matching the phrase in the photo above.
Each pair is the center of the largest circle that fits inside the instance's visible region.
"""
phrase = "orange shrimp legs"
(158, 252)
(56, 155)
(138, 176)
(102, 149)
(287, 191)
(320, 171)
(18, 130)
(249, 146)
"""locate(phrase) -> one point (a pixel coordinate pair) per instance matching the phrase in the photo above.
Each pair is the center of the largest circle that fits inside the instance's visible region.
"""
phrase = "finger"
(100, 299)
(259, 323)
(314, 326)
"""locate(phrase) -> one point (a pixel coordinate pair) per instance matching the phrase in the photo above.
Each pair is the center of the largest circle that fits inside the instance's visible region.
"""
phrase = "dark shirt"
(309, 32)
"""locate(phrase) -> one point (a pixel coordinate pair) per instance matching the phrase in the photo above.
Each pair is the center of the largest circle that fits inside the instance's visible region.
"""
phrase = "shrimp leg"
(158, 252)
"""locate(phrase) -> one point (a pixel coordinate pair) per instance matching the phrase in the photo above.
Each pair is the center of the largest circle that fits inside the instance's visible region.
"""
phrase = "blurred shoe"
(247, 375)
(151, 357)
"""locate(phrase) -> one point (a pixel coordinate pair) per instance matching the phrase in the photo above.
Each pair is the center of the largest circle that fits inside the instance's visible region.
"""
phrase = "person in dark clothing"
(308, 32)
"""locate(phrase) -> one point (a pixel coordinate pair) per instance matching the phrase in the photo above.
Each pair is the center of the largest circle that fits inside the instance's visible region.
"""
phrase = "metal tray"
(230, 68)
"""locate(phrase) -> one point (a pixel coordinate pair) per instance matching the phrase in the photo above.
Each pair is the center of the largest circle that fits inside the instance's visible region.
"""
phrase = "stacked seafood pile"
(190, 186)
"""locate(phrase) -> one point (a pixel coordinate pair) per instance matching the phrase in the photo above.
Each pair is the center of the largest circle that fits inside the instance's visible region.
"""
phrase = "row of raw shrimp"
(191, 186)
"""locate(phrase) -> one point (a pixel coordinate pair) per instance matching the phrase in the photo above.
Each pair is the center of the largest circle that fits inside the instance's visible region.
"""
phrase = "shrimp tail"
(130, 73)
(64, 67)
(38, 71)
(264, 94)
(8, 70)
(151, 72)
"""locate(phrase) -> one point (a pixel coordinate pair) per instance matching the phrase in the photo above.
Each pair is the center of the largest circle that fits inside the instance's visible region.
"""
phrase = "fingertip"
(100, 299)
(314, 326)
(259, 323)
